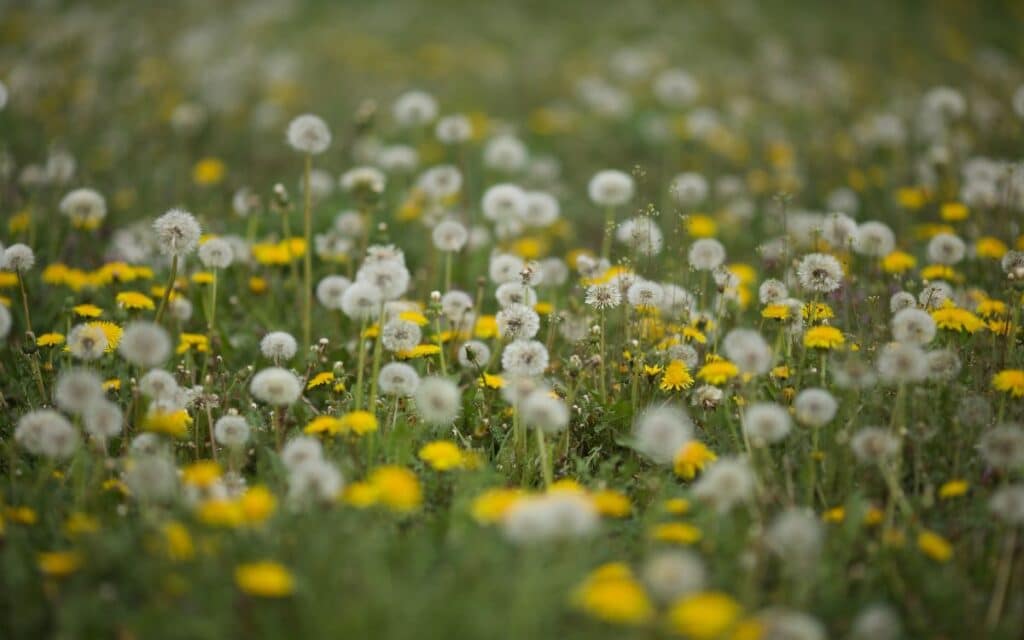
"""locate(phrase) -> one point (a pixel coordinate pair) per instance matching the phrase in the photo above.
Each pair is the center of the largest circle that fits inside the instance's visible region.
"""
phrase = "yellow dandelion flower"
(677, 506)
(258, 285)
(442, 455)
(834, 515)
(50, 340)
(718, 372)
(775, 312)
(419, 351)
(989, 247)
(220, 512)
(823, 337)
(611, 594)
(257, 504)
(708, 615)
(134, 301)
(676, 533)
(612, 504)
(193, 342)
(699, 225)
(490, 506)
(953, 489)
(1009, 381)
(780, 372)
(87, 311)
(676, 377)
(320, 379)
(201, 474)
(415, 317)
(178, 542)
(171, 423)
(59, 564)
(816, 312)
(208, 171)
(486, 327)
(954, 318)
(397, 488)
(898, 262)
(954, 211)
(989, 308)
(692, 458)
(79, 523)
(360, 495)
(203, 277)
(264, 580)
(934, 546)
(112, 384)
(358, 422)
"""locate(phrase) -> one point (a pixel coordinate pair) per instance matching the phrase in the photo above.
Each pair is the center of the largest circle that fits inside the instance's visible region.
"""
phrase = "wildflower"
(264, 579)
(815, 407)
(201, 474)
(231, 431)
(492, 505)
(707, 615)
(193, 341)
(611, 503)
(749, 350)
(934, 546)
(171, 423)
(706, 254)
(59, 564)
(610, 188)
(257, 504)
(820, 272)
(1003, 446)
(953, 489)
(898, 262)
(87, 311)
(676, 377)
(956, 319)
(358, 422)
(321, 379)
(766, 422)
(661, 431)
(1009, 381)
(726, 483)
(691, 458)
(276, 386)
(177, 233)
(308, 134)
(558, 514)
(540, 410)
(178, 542)
(135, 301)
(438, 401)
(397, 488)
(611, 594)
(718, 372)
(144, 344)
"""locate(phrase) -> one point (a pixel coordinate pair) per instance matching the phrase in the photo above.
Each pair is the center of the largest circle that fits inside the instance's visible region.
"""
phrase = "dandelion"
(676, 377)
(518, 322)
(86, 208)
(144, 344)
(815, 407)
(725, 483)
(524, 358)
(706, 254)
(748, 350)
(1003, 446)
(819, 273)
(232, 431)
(766, 423)
(438, 401)
(278, 346)
(661, 431)
(873, 445)
(692, 458)
(442, 455)
(276, 386)
(264, 580)
(705, 615)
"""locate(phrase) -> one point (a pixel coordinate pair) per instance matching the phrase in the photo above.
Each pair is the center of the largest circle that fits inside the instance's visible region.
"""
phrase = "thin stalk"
(307, 217)
(545, 459)
(24, 302)
(360, 365)
(167, 289)
(376, 359)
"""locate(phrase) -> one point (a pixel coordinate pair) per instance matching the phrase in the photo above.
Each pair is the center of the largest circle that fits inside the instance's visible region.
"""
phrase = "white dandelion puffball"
(525, 358)
(329, 291)
(414, 109)
(276, 386)
(144, 344)
(706, 254)
(611, 188)
(177, 233)
(84, 205)
(398, 379)
(820, 272)
(309, 134)
(18, 257)
(76, 389)
(231, 431)
(766, 422)
(216, 253)
(547, 413)
(815, 407)
(450, 236)
(660, 432)
(278, 345)
(438, 401)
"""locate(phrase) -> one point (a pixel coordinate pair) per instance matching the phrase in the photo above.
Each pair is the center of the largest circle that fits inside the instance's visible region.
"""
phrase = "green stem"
(24, 302)
(167, 289)
(545, 459)
(307, 216)
(360, 365)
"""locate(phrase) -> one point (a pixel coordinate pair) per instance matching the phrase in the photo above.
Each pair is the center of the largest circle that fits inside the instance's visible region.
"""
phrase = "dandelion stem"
(307, 217)
(360, 362)
(24, 302)
(545, 459)
(995, 608)
(167, 289)
(376, 359)
(609, 222)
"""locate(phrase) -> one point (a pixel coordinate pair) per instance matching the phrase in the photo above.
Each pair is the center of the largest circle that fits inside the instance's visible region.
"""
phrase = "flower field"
(523, 320)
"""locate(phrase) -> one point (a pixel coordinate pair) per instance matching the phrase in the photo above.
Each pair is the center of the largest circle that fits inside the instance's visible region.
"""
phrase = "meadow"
(641, 319)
